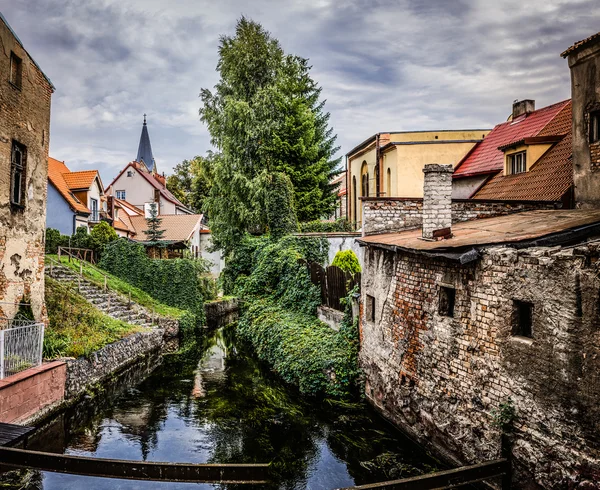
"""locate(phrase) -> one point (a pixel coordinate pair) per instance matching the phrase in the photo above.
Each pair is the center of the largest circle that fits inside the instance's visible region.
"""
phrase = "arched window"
(364, 180)
(355, 203)
(389, 182)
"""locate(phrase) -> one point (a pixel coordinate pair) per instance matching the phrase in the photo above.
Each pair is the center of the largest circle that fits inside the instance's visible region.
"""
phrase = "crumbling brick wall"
(399, 214)
(441, 378)
(26, 120)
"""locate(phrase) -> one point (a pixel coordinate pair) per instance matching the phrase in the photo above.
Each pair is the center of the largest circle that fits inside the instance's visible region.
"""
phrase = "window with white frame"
(517, 163)
(120, 195)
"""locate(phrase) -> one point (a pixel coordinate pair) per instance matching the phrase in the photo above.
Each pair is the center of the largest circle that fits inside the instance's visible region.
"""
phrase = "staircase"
(107, 301)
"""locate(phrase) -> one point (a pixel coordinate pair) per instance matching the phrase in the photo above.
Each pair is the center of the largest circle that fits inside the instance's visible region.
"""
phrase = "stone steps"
(108, 302)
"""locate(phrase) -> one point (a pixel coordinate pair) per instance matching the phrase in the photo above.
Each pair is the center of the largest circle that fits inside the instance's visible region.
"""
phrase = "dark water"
(215, 404)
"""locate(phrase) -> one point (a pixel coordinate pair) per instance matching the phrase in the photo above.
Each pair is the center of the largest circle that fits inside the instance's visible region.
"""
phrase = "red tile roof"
(80, 180)
(579, 44)
(549, 179)
(57, 171)
(486, 158)
(177, 227)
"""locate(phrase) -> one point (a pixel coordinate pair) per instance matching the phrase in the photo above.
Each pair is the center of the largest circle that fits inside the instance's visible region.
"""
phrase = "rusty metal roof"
(514, 228)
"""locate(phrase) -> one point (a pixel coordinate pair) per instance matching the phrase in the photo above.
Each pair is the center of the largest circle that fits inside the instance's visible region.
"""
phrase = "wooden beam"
(444, 479)
(135, 470)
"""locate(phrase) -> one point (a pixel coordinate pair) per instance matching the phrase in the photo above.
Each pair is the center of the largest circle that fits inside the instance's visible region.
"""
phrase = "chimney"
(437, 202)
(521, 107)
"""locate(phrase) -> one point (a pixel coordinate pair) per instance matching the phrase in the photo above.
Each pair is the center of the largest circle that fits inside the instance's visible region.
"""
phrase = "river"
(214, 403)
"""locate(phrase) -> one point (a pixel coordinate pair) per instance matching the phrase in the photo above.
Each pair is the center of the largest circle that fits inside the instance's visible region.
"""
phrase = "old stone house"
(140, 184)
(390, 164)
(25, 94)
(75, 199)
(473, 306)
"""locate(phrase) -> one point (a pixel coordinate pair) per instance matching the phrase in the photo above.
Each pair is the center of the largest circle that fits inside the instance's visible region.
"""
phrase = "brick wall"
(441, 378)
(437, 196)
(26, 120)
(399, 214)
(31, 392)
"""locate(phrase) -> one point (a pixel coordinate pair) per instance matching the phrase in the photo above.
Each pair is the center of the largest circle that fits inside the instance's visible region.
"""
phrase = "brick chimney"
(521, 107)
(437, 202)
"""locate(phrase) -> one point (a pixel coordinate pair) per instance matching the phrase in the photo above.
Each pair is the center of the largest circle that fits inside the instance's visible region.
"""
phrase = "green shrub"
(347, 261)
(280, 207)
(340, 225)
(101, 235)
(53, 240)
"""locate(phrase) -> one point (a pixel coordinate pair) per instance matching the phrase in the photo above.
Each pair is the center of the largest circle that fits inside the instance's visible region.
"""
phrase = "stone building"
(470, 307)
(390, 164)
(25, 94)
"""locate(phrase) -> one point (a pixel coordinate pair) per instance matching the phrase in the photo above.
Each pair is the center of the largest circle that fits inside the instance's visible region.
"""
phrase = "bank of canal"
(214, 403)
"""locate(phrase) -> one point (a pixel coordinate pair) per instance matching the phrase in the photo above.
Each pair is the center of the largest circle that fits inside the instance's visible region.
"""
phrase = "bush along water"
(176, 282)
(279, 317)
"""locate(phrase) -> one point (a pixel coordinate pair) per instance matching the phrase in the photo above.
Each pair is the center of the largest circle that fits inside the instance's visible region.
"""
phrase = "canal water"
(214, 403)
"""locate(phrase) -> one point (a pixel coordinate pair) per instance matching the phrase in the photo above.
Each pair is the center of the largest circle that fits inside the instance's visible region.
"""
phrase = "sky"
(383, 65)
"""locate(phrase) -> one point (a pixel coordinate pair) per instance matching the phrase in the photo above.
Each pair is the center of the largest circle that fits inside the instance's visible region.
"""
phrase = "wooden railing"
(454, 478)
(85, 254)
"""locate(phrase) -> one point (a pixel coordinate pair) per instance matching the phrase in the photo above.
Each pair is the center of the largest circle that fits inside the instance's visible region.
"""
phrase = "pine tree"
(154, 233)
(264, 116)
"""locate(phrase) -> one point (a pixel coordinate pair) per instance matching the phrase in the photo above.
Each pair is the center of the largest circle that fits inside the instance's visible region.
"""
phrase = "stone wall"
(437, 198)
(400, 214)
(33, 391)
(441, 377)
(25, 121)
(86, 372)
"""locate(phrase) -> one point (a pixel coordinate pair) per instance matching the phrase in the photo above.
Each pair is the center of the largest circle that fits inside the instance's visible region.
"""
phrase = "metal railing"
(20, 345)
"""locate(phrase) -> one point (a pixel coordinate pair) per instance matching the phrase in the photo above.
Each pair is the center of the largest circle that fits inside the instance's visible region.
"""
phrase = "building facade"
(25, 94)
(391, 164)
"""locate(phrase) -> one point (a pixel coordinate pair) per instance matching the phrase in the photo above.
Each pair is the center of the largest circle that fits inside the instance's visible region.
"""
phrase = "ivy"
(175, 282)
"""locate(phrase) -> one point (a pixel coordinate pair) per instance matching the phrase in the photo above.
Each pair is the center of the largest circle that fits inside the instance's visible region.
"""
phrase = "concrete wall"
(398, 214)
(585, 93)
(26, 120)
(339, 242)
(61, 216)
(215, 258)
(32, 391)
(464, 188)
(440, 378)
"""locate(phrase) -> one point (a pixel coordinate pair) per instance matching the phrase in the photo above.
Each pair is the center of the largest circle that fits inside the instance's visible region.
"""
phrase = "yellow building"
(391, 164)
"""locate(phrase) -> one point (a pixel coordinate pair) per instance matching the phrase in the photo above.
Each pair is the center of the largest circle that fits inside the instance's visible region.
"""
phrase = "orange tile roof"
(80, 180)
(178, 227)
(56, 172)
(486, 158)
(129, 206)
(549, 179)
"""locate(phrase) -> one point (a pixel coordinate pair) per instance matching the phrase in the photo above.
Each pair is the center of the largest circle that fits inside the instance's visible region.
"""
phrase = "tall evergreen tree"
(154, 233)
(264, 115)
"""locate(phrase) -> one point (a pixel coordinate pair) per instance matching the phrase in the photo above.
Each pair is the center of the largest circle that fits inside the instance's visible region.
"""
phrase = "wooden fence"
(335, 284)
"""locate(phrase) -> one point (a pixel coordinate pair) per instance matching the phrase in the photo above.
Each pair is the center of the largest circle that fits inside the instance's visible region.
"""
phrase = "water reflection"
(214, 403)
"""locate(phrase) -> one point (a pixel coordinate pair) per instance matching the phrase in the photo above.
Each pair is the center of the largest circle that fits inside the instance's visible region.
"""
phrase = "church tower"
(144, 154)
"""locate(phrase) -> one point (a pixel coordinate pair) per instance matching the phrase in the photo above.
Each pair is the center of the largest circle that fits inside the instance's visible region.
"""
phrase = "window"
(130, 173)
(389, 182)
(355, 204)
(17, 174)
(447, 297)
(120, 195)
(16, 70)
(594, 127)
(522, 319)
(370, 308)
(517, 163)
(94, 208)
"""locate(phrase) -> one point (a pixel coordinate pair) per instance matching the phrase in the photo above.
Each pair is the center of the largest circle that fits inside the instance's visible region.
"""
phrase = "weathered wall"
(26, 120)
(32, 391)
(399, 214)
(441, 378)
(465, 187)
(585, 93)
(85, 372)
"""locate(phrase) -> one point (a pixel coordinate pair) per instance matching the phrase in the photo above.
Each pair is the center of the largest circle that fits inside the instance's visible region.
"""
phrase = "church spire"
(144, 154)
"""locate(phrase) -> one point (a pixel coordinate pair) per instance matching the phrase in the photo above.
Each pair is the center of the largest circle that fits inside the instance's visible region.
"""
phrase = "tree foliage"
(189, 182)
(280, 208)
(347, 261)
(264, 115)
(102, 234)
(154, 233)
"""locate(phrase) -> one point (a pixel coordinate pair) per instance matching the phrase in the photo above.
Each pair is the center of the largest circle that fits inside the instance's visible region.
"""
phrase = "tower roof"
(144, 154)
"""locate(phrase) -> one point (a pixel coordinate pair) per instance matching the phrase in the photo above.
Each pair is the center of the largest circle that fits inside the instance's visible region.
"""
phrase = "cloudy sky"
(383, 65)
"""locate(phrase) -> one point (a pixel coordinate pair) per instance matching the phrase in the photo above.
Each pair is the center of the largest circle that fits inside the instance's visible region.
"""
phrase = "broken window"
(17, 174)
(447, 297)
(370, 308)
(522, 319)
(594, 127)
(517, 163)
(16, 70)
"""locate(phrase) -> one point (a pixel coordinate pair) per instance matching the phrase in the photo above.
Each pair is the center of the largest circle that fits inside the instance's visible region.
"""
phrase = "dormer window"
(517, 163)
